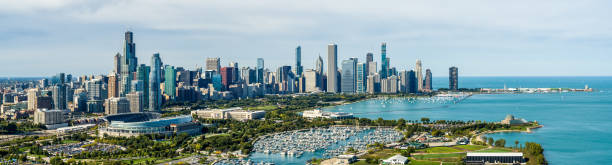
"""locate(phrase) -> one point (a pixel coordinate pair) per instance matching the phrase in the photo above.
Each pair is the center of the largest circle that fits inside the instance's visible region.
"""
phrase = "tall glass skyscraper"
(348, 75)
(298, 61)
(384, 61)
(361, 76)
(170, 81)
(260, 70)
(143, 75)
(129, 63)
(155, 98)
(453, 78)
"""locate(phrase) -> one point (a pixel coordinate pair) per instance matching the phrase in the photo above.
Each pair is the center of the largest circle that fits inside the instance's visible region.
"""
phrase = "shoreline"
(478, 136)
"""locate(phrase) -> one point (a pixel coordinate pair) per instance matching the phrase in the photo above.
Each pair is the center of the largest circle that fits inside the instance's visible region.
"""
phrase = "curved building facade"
(134, 124)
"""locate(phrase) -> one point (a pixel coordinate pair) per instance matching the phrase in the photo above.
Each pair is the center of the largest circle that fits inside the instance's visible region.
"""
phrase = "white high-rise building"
(419, 75)
(332, 68)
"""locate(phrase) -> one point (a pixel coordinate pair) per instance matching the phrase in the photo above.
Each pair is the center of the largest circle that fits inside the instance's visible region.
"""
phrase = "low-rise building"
(52, 119)
(510, 120)
(481, 158)
(231, 113)
(397, 159)
(317, 113)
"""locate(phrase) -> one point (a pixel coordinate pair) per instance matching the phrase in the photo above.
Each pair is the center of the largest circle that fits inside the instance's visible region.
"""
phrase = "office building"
(332, 68)
(136, 100)
(298, 61)
(384, 61)
(170, 81)
(419, 75)
(311, 81)
(260, 70)
(52, 119)
(32, 96)
(453, 78)
(113, 85)
(373, 83)
(129, 62)
(235, 113)
(155, 98)
(226, 76)
(213, 64)
(143, 72)
(428, 87)
(117, 105)
(361, 78)
(59, 96)
(412, 82)
(369, 58)
(349, 67)
(117, 63)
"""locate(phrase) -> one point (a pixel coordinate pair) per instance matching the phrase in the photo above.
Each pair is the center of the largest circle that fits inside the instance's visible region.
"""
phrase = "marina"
(300, 146)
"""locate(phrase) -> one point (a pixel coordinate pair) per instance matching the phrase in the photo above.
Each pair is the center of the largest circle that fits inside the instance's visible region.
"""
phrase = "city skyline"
(466, 36)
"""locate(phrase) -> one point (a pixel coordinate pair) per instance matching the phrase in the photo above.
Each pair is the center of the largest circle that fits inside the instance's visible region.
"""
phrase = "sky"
(481, 38)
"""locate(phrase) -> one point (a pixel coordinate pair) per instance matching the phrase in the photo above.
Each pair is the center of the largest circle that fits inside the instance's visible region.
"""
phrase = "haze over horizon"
(482, 38)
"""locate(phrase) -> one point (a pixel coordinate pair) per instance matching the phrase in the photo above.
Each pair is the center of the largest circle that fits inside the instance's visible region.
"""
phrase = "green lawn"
(430, 156)
(439, 150)
(423, 162)
(382, 154)
(471, 147)
(263, 107)
(496, 149)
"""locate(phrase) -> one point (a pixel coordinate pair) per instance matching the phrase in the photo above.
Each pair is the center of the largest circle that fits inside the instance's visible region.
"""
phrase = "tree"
(490, 141)
(500, 143)
(437, 133)
(516, 142)
(425, 120)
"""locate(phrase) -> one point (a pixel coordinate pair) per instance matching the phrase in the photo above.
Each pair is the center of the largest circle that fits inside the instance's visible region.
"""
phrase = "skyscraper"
(213, 64)
(412, 82)
(419, 75)
(384, 63)
(372, 68)
(235, 72)
(128, 63)
(113, 85)
(369, 58)
(226, 76)
(143, 75)
(59, 96)
(155, 98)
(332, 68)
(170, 81)
(361, 75)
(428, 87)
(319, 66)
(348, 75)
(298, 61)
(117, 63)
(453, 78)
(260, 70)
(136, 101)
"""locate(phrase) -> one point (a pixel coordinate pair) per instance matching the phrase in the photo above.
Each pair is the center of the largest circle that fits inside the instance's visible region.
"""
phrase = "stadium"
(134, 124)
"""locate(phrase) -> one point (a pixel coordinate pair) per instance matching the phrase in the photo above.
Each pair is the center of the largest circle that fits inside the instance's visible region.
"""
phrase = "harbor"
(300, 146)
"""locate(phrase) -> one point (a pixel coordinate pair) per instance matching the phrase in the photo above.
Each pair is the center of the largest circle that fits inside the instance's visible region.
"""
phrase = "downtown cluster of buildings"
(133, 87)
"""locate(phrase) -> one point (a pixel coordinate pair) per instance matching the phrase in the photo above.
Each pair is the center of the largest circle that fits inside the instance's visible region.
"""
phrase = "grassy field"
(69, 141)
(496, 149)
(423, 162)
(363, 162)
(471, 147)
(263, 107)
(430, 156)
(439, 150)
(382, 154)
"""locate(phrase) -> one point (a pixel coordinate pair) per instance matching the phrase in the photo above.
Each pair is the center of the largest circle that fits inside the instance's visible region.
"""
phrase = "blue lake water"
(577, 125)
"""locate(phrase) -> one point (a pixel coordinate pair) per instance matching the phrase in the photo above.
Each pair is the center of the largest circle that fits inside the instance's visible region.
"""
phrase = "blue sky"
(482, 38)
